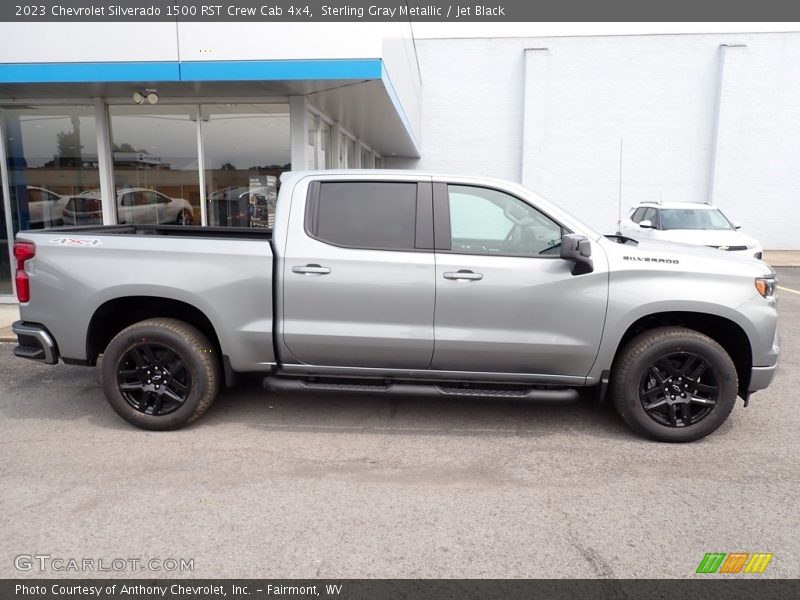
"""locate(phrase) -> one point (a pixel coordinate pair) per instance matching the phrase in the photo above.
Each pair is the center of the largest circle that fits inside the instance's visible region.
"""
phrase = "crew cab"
(401, 282)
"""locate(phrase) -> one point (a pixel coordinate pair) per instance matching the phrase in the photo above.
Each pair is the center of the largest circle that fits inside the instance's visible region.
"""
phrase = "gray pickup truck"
(402, 282)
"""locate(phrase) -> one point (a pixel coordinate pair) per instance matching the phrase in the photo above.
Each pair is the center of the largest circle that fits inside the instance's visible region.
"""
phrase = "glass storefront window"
(311, 143)
(366, 158)
(324, 144)
(247, 147)
(52, 161)
(156, 173)
(351, 153)
(5, 258)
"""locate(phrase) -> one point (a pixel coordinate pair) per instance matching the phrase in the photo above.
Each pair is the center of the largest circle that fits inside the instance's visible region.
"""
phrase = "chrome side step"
(286, 384)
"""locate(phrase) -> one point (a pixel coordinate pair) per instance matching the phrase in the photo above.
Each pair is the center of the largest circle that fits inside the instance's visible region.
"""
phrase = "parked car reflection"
(45, 207)
(134, 206)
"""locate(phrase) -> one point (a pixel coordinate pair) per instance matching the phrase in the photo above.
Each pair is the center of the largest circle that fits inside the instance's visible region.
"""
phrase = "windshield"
(689, 218)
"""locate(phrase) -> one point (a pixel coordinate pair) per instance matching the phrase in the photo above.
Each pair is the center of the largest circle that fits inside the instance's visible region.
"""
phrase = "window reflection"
(52, 157)
(247, 147)
(5, 259)
(155, 167)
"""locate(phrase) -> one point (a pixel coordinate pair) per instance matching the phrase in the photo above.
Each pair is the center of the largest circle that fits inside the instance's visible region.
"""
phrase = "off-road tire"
(640, 354)
(199, 359)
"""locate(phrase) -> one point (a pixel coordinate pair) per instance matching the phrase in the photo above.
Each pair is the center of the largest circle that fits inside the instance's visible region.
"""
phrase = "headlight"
(766, 286)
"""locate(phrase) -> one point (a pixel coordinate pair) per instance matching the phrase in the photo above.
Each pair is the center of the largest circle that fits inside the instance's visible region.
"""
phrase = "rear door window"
(367, 215)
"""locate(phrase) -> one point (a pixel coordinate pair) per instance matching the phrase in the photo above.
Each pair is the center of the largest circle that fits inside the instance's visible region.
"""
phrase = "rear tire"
(160, 374)
(674, 384)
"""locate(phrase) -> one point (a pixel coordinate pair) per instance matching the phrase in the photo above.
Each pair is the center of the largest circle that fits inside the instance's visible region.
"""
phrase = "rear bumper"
(35, 342)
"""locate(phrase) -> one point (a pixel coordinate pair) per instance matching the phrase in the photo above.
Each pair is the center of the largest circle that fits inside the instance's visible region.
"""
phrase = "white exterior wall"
(569, 105)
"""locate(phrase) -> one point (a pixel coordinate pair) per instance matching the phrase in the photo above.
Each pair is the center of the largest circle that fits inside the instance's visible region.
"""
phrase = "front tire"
(184, 218)
(160, 374)
(674, 384)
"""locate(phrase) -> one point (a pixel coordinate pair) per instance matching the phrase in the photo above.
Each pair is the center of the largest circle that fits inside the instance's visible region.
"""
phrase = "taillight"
(23, 251)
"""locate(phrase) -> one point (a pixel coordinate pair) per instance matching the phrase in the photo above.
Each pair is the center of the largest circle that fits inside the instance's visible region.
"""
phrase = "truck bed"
(89, 273)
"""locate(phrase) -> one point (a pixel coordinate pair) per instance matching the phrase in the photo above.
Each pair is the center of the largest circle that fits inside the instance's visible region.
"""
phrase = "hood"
(708, 237)
(673, 256)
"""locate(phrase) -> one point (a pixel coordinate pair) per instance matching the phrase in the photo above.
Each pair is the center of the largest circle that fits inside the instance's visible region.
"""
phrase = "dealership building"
(193, 123)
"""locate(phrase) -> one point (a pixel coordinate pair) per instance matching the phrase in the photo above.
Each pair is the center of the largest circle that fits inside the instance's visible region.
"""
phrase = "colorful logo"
(735, 562)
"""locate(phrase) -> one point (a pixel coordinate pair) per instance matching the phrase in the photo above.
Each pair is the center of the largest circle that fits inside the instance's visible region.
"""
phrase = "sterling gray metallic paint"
(527, 319)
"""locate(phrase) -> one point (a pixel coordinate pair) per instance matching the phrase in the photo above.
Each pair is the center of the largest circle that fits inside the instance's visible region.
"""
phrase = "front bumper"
(35, 342)
(761, 377)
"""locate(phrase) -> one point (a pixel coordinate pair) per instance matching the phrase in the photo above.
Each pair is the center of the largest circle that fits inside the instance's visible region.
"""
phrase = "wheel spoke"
(667, 366)
(673, 416)
(699, 370)
(151, 357)
(143, 400)
(655, 404)
(178, 386)
(173, 396)
(686, 414)
(136, 355)
(134, 386)
(688, 365)
(157, 404)
(704, 401)
(708, 389)
(652, 392)
(655, 372)
(175, 366)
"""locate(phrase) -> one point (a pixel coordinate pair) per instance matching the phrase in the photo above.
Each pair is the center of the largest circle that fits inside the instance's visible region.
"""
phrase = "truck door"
(359, 275)
(505, 301)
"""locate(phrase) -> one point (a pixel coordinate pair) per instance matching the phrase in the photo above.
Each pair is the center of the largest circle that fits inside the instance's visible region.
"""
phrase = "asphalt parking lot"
(337, 486)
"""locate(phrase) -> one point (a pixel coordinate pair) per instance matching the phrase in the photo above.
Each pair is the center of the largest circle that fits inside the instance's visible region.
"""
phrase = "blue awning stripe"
(234, 70)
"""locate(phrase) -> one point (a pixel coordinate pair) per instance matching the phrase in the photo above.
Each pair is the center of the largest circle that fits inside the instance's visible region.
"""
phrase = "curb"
(6, 335)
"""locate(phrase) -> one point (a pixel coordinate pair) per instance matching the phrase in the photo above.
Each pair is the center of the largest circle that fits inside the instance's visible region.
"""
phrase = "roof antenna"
(619, 213)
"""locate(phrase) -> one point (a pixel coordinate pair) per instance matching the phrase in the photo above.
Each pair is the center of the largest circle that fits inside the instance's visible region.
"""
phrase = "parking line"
(788, 290)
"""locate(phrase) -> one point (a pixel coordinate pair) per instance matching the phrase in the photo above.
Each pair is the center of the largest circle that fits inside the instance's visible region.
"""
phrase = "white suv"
(688, 223)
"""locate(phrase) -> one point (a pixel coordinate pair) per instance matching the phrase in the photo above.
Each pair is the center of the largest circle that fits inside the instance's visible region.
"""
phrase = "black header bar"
(453, 11)
(707, 588)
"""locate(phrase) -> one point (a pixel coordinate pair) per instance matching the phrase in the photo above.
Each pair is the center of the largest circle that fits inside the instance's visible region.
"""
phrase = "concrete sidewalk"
(8, 314)
(782, 258)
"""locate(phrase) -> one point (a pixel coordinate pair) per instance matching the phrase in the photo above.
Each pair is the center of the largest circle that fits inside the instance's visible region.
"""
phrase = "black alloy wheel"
(153, 379)
(160, 373)
(679, 389)
(673, 384)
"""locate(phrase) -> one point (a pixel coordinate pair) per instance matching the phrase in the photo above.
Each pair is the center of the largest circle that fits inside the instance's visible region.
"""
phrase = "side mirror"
(737, 225)
(646, 224)
(578, 249)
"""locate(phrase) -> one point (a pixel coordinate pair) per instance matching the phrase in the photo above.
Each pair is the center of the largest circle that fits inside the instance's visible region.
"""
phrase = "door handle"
(463, 275)
(312, 269)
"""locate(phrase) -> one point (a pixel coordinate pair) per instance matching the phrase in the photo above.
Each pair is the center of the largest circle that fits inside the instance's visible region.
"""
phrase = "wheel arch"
(724, 331)
(114, 315)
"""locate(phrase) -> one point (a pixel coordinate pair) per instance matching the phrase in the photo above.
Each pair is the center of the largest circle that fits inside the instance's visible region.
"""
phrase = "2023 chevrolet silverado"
(402, 282)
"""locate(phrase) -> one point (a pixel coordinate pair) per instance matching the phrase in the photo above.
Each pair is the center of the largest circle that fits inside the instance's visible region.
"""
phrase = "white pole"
(619, 206)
